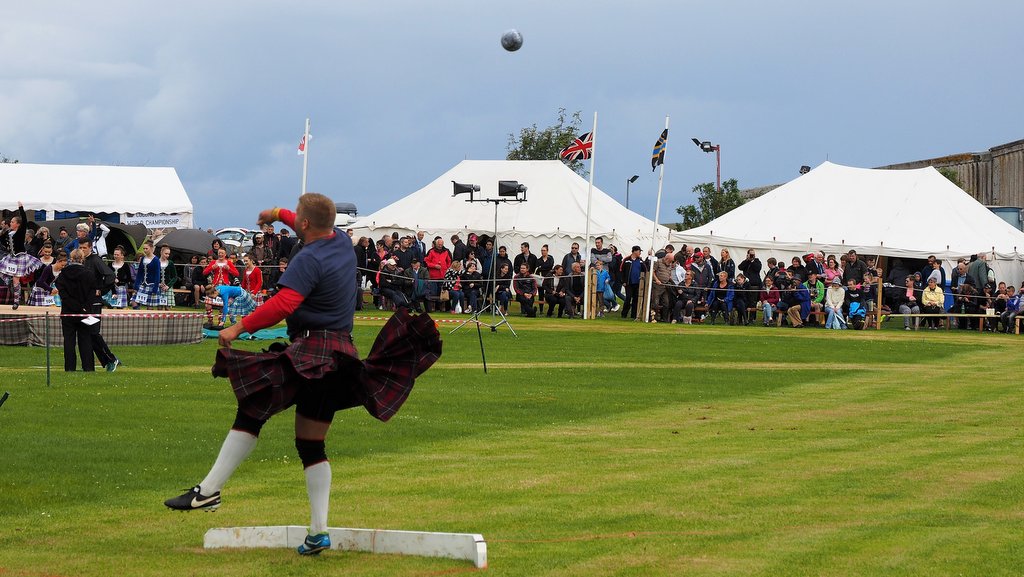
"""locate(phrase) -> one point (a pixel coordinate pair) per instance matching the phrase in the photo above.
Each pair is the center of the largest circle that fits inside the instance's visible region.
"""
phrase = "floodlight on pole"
(706, 146)
(629, 181)
(805, 169)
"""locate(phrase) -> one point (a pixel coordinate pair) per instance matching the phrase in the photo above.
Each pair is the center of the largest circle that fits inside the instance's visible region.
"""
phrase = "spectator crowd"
(462, 276)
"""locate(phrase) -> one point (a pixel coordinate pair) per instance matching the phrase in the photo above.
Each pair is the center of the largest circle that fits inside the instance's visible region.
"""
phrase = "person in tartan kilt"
(168, 278)
(46, 288)
(238, 302)
(118, 298)
(320, 371)
(252, 280)
(147, 280)
(17, 262)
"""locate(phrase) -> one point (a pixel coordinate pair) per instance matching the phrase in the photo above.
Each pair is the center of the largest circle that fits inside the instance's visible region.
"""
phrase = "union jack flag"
(658, 154)
(580, 149)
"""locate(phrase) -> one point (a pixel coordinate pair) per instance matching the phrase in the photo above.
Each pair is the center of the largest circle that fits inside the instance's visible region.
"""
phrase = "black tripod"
(496, 311)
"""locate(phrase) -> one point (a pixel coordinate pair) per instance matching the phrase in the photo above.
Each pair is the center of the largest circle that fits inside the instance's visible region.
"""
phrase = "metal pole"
(627, 193)
(46, 338)
(718, 167)
(305, 156)
(483, 356)
(494, 269)
(654, 237)
(586, 240)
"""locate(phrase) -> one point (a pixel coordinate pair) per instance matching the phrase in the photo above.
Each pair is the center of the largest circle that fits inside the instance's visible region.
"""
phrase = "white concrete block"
(467, 546)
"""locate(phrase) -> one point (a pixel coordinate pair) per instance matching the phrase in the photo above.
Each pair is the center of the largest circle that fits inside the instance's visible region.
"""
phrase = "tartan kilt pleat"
(150, 295)
(266, 383)
(19, 265)
(404, 349)
(119, 299)
(40, 298)
(242, 305)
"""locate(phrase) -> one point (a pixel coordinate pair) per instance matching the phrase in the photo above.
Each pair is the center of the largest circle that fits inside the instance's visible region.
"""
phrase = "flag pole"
(586, 243)
(305, 156)
(654, 238)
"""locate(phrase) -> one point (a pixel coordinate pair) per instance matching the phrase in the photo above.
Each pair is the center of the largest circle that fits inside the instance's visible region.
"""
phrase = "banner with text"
(154, 221)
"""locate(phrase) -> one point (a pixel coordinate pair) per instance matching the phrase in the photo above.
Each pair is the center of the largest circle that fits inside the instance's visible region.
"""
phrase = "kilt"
(150, 295)
(168, 297)
(242, 305)
(267, 382)
(258, 299)
(40, 298)
(117, 298)
(19, 265)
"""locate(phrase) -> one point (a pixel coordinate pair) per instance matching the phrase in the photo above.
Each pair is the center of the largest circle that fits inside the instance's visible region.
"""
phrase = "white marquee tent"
(152, 196)
(554, 213)
(894, 213)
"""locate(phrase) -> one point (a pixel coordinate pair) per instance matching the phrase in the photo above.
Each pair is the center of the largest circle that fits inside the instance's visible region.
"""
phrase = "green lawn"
(599, 448)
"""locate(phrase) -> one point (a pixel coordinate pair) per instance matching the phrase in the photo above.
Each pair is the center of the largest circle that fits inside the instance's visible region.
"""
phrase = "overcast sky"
(401, 91)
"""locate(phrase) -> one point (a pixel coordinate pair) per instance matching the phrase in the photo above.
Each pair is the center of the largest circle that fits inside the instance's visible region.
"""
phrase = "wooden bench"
(945, 318)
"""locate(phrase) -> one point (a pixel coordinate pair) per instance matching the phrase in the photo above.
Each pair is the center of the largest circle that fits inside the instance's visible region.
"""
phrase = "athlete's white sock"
(318, 486)
(237, 446)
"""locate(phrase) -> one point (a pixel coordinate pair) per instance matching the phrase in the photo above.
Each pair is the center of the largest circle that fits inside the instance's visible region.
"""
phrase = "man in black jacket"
(458, 248)
(524, 257)
(103, 282)
(751, 268)
(855, 268)
(525, 287)
(287, 243)
(75, 286)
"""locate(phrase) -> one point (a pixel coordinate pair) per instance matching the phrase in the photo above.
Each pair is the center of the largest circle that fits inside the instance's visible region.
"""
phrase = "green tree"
(711, 204)
(545, 143)
(952, 175)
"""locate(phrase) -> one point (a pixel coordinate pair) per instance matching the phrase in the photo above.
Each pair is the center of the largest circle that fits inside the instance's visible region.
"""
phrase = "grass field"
(601, 448)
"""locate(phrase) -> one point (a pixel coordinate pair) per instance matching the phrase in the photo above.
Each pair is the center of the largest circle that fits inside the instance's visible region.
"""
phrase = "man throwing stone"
(319, 372)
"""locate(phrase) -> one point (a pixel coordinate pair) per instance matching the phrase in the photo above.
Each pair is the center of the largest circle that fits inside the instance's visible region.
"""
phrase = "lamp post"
(706, 146)
(628, 181)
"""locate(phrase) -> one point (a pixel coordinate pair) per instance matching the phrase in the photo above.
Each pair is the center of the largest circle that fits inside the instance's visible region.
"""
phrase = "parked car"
(238, 239)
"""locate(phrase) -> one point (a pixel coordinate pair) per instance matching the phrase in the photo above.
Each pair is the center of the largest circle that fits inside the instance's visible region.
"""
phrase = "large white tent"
(554, 213)
(152, 196)
(894, 213)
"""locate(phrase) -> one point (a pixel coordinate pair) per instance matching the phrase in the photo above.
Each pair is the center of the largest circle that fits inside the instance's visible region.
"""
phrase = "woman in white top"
(835, 296)
(118, 297)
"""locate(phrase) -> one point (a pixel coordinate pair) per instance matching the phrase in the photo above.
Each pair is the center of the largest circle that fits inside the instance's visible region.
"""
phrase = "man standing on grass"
(632, 267)
(319, 372)
(103, 282)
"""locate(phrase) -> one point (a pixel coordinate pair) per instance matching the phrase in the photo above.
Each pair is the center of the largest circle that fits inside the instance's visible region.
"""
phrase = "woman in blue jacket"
(798, 312)
(720, 297)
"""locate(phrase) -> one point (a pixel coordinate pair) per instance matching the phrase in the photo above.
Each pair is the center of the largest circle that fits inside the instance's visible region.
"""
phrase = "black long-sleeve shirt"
(75, 287)
(15, 241)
